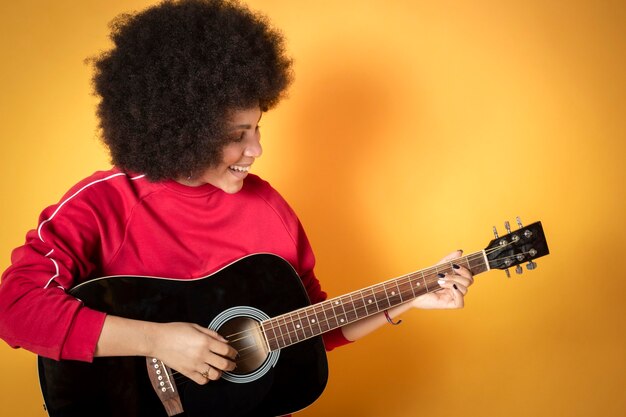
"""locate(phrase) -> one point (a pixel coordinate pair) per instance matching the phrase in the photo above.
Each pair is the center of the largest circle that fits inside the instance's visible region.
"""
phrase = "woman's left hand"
(454, 284)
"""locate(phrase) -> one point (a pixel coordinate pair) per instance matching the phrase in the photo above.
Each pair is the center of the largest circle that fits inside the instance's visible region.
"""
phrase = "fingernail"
(441, 282)
(455, 266)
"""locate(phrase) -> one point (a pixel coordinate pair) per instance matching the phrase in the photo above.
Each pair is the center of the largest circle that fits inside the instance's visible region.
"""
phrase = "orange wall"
(412, 128)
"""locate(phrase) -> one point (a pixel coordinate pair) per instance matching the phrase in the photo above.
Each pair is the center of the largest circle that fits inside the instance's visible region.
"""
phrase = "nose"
(253, 147)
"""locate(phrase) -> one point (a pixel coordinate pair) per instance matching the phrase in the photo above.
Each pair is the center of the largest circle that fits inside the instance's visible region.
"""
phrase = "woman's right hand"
(198, 353)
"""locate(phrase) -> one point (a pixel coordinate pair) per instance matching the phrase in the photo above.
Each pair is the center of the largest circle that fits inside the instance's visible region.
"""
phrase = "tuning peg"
(508, 274)
(519, 270)
(519, 222)
(531, 265)
(507, 226)
(495, 232)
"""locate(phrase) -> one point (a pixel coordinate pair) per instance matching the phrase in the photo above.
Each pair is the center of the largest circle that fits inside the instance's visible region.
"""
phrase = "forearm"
(125, 337)
(193, 350)
(366, 326)
(453, 287)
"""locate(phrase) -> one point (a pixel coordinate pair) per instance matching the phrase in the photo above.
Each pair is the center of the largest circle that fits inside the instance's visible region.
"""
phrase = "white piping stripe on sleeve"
(75, 194)
(56, 265)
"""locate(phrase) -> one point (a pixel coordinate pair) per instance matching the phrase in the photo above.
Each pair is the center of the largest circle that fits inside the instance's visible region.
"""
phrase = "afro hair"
(175, 72)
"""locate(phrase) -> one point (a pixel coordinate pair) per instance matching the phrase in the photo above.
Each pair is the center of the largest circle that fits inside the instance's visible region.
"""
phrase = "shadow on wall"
(343, 114)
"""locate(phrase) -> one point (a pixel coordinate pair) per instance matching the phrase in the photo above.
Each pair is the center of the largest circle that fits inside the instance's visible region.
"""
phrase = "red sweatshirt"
(113, 223)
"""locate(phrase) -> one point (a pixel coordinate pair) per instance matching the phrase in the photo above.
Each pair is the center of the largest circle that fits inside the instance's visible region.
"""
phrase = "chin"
(232, 189)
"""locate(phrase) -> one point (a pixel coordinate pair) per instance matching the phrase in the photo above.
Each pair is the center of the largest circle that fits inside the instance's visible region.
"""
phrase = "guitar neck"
(298, 325)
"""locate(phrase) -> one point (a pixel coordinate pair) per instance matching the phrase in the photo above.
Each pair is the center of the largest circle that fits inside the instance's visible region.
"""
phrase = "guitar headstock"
(517, 247)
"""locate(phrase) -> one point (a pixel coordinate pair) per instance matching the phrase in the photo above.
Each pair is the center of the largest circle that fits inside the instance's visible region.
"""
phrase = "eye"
(239, 137)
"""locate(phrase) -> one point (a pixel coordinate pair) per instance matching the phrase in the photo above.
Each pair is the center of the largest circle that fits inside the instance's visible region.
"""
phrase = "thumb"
(211, 333)
(454, 255)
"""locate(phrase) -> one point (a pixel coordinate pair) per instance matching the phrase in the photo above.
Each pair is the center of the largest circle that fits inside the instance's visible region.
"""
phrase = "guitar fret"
(410, 285)
(399, 292)
(391, 293)
(352, 312)
(313, 322)
(282, 336)
(322, 323)
(306, 327)
(326, 320)
(381, 297)
(331, 308)
(328, 309)
(271, 336)
(338, 307)
(359, 305)
(300, 335)
(406, 290)
(371, 306)
(293, 334)
(286, 328)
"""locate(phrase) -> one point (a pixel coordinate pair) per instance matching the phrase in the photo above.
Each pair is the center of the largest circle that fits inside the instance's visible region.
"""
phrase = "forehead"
(244, 117)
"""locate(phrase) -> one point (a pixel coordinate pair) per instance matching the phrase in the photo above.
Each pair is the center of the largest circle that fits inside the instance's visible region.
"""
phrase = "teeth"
(239, 169)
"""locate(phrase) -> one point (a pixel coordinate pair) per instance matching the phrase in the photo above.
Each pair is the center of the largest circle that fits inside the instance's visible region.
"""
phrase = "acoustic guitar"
(258, 303)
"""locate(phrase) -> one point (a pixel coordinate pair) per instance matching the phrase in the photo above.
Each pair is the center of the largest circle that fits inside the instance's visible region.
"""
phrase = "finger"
(462, 271)
(210, 332)
(460, 279)
(455, 283)
(207, 375)
(198, 377)
(218, 344)
(224, 350)
(214, 374)
(451, 256)
(220, 363)
(458, 295)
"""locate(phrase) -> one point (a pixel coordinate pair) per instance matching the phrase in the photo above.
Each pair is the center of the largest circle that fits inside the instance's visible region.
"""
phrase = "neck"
(298, 325)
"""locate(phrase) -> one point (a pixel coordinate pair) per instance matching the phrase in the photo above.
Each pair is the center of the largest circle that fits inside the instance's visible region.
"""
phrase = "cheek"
(231, 154)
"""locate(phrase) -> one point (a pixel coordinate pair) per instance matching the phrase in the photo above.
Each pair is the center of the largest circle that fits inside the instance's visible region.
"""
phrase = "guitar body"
(252, 288)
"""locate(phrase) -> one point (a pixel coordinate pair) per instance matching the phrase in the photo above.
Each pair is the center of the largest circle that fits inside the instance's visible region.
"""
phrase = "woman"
(181, 96)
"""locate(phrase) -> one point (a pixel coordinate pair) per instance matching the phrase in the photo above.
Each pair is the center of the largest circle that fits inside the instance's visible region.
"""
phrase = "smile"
(239, 169)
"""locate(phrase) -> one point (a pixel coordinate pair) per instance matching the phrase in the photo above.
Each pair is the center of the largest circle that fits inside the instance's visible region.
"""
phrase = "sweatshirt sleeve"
(306, 262)
(36, 312)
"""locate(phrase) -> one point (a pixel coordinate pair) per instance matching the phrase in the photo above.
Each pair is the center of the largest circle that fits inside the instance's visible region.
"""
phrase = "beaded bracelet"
(390, 320)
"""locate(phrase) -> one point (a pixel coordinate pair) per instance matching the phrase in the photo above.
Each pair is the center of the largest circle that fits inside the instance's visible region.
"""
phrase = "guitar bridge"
(164, 386)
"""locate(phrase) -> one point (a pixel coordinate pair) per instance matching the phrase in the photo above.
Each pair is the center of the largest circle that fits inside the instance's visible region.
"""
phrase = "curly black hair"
(175, 72)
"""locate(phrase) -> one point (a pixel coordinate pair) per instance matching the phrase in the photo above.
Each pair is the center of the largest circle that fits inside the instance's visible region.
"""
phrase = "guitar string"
(284, 329)
(357, 310)
(376, 290)
(181, 379)
(407, 278)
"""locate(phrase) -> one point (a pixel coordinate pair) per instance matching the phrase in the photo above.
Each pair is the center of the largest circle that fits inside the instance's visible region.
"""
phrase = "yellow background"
(411, 129)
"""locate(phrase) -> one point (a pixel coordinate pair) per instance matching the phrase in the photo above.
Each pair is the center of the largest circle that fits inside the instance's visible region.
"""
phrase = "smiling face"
(238, 155)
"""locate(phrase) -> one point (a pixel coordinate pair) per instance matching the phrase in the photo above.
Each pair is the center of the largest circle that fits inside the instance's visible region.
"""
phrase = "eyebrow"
(247, 126)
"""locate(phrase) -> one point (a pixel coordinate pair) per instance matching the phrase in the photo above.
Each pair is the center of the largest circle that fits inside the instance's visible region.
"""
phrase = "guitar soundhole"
(244, 335)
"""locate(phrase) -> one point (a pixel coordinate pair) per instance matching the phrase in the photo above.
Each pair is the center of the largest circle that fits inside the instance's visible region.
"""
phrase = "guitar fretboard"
(298, 325)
